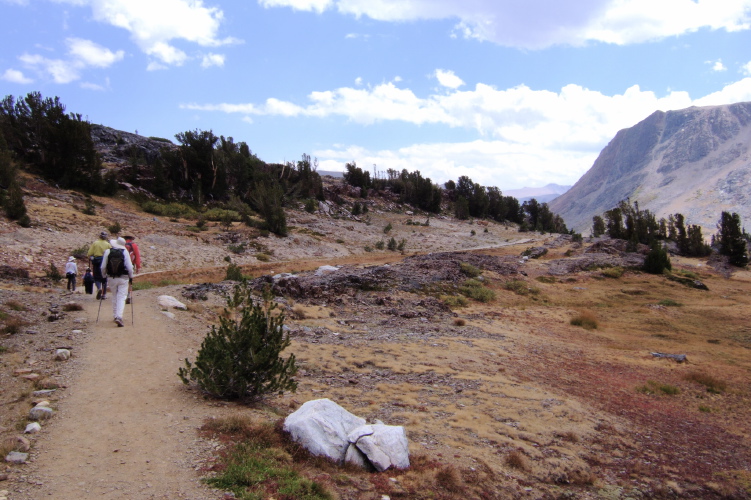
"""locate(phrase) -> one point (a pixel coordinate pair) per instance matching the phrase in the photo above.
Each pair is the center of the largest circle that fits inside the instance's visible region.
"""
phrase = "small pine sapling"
(241, 358)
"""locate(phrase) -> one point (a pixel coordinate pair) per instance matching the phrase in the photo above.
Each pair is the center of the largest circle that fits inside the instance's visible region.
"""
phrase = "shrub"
(469, 270)
(459, 322)
(241, 359)
(310, 206)
(368, 248)
(13, 326)
(473, 232)
(476, 291)
(454, 301)
(520, 287)
(380, 245)
(517, 460)
(713, 385)
(401, 245)
(89, 208)
(262, 257)
(388, 228)
(170, 210)
(221, 215)
(586, 320)
(234, 272)
(114, 228)
(81, 252)
(613, 272)
(15, 305)
(53, 273)
(238, 249)
(73, 306)
(657, 260)
(391, 245)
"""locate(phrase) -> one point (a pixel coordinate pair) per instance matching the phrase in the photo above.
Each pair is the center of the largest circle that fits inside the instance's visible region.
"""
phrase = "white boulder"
(384, 445)
(322, 427)
(169, 302)
(62, 355)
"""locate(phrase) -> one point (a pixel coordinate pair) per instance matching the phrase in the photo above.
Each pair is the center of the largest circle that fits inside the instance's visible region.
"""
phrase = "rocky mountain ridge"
(693, 161)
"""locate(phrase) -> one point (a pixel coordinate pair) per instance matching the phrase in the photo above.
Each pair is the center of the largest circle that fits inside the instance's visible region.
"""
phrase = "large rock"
(384, 445)
(169, 302)
(323, 427)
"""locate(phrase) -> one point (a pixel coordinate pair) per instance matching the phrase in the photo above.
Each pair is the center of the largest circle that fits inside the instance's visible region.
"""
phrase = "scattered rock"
(170, 315)
(23, 444)
(17, 457)
(32, 428)
(62, 355)
(40, 413)
(169, 302)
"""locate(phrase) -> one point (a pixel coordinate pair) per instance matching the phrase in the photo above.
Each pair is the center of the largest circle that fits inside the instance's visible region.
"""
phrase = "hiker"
(96, 252)
(117, 267)
(88, 282)
(71, 271)
(135, 257)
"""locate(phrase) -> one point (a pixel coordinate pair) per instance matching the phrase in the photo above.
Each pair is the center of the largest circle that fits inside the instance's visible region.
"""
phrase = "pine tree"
(241, 359)
(731, 239)
(657, 259)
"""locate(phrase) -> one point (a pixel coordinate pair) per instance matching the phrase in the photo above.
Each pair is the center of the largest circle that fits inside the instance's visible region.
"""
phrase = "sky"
(512, 93)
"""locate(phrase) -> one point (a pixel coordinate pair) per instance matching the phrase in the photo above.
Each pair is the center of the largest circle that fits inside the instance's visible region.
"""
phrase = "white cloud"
(358, 81)
(92, 54)
(81, 55)
(15, 76)
(154, 25)
(93, 86)
(542, 23)
(746, 69)
(61, 71)
(524, 136)
(307, 5)
(448, 79)
(212, 60)
(717, 65)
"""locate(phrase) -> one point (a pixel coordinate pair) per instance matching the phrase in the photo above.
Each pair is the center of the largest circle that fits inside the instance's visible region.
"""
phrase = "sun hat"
(118, 243)
(71, 258)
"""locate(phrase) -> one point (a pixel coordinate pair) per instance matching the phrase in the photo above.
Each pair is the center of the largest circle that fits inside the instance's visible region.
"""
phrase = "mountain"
(694, 161)
(543, 194)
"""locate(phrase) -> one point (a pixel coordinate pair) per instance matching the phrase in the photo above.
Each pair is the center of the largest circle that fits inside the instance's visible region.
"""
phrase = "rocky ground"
(519, 401)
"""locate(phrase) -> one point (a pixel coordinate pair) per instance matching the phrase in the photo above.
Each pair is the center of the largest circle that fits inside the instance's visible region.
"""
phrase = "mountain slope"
(694, 161)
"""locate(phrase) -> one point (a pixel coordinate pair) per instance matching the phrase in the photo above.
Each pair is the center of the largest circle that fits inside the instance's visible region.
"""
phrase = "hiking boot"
(119, 322)
(104, 296)
(127, 301)
(98, 294)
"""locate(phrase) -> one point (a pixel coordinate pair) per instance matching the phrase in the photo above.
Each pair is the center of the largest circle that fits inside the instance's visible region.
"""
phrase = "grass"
(469, 270)
(586, 320)
(3, 349)
(613, 272)
(669, 303)
(517, 460)
(713, 385)
(454, 301)
(140, 285)
(262, 257)
(261, 465)
(521, 287)
(475, 290)
(15, 305)
(13, 325)
(547, 279)
(652, 387)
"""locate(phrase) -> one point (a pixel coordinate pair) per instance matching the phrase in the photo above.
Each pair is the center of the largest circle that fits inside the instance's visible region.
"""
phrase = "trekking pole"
(100, 309)
(132, 314)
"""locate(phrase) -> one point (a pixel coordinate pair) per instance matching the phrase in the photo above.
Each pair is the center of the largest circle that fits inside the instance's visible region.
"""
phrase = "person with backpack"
(118, 268)
(135, 257)
(96, 251)
(88, 282)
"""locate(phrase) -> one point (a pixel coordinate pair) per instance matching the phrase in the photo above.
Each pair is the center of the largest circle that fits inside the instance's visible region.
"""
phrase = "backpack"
(116, 262)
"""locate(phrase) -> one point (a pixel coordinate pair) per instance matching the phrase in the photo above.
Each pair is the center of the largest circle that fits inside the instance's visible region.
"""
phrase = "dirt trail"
(124, 429)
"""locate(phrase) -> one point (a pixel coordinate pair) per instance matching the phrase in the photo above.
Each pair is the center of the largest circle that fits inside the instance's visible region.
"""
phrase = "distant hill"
(695, 161)
(543, 194)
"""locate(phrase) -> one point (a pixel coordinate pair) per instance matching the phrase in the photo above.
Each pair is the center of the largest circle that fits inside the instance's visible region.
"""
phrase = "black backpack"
(116, 262)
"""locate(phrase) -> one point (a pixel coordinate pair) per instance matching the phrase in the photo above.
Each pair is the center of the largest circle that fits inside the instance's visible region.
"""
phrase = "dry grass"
(586, 320)
(15, 305)
(459, 322)
(72, 306)
(13, 325)
(713, 384)
(517, 460)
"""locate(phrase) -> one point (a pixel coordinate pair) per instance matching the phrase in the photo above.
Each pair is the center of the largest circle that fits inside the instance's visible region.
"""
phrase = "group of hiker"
(113, 264)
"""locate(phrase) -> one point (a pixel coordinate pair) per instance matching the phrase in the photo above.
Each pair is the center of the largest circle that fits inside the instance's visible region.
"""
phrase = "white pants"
(118, 290)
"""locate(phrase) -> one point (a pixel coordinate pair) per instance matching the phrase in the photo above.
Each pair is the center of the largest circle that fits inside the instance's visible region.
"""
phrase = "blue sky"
(510, 93)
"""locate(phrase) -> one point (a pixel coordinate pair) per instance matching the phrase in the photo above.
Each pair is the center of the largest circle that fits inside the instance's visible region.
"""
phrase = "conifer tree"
(731, 239)
(241, 358)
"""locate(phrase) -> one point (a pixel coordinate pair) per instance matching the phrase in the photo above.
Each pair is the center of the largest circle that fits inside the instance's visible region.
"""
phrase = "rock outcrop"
(694, 161)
